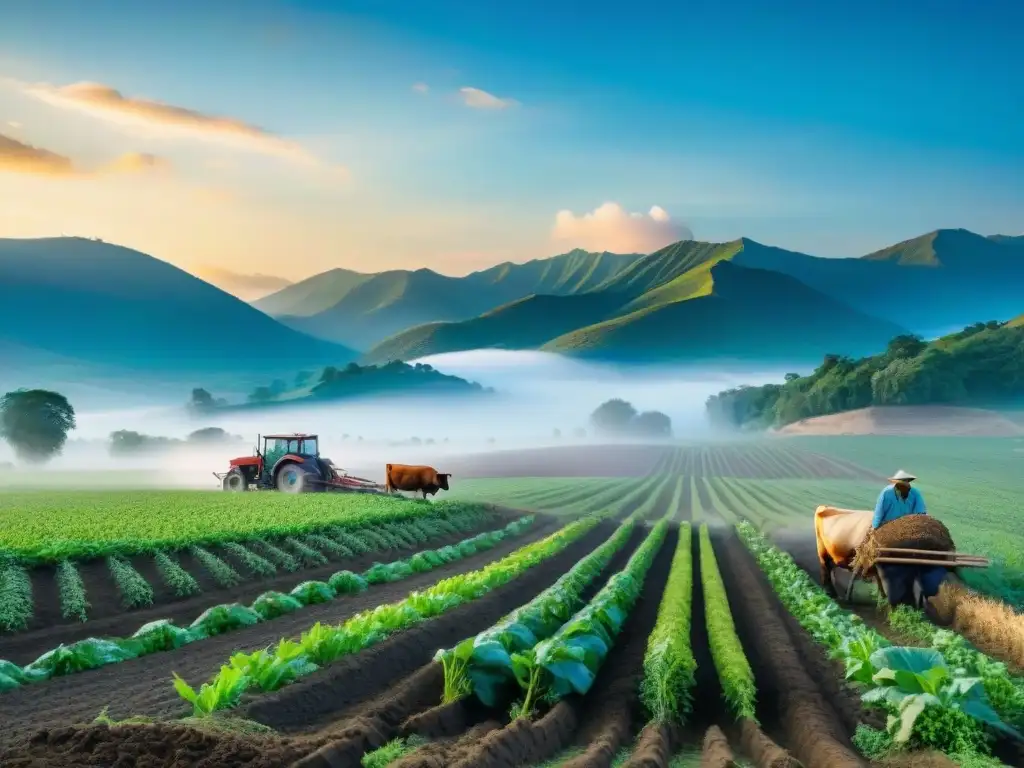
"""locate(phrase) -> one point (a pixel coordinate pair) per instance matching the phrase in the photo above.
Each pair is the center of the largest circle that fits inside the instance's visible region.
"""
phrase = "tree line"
(981, 366)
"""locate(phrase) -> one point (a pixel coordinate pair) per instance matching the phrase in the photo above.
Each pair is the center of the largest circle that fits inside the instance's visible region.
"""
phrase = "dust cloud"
(537, 393)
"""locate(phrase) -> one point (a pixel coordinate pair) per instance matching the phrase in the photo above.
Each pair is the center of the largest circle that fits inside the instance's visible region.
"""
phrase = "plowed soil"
(143, 686)
(813, 724)
(109, 619)
(625, 460)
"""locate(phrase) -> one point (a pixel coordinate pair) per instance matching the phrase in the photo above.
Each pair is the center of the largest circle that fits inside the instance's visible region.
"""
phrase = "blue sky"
(832, 128)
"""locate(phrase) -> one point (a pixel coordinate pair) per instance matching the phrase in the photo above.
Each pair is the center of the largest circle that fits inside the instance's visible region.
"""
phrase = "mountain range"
(690, 300)
(89, 306)
(77, 305)
(360, 310)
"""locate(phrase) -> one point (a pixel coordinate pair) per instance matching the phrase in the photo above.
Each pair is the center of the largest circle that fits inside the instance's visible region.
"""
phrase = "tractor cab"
(276, 446)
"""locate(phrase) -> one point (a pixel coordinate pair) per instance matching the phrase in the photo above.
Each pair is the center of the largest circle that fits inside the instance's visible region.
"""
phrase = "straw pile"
(908, 532)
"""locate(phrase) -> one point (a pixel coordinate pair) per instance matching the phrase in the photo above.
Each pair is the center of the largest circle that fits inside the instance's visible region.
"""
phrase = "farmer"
(895, 501)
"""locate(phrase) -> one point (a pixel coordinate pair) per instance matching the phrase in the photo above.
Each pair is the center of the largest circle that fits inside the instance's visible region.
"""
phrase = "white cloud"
(477, 99)
(13, 124)
(421, 87)
(106, 103)
(611, 228)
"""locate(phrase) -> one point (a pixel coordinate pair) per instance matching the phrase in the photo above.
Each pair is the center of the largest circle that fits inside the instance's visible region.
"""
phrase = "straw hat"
(902, 475)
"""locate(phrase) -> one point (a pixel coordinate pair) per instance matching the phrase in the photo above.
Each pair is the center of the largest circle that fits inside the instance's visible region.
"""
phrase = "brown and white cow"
(415, 478)
(838, 533)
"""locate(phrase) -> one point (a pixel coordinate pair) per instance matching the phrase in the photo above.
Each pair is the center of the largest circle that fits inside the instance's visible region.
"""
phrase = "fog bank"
(538, 393)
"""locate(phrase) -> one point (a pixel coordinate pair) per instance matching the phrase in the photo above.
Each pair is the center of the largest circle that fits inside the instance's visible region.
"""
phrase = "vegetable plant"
(669, 665)
(569, 661)
(323, 644)
(731, 663)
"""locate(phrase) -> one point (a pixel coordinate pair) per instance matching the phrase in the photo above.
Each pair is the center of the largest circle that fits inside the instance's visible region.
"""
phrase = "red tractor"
(290, 463)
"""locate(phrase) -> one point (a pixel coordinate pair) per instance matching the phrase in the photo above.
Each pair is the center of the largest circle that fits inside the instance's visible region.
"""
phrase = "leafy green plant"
(308, 556)
(568, 661)
(160, 635)
(15, 595)
(483, 664)
(734, 670)
(272, 604)
(223, 693)
(326, 544)
(85, 654)
(257, 565)
(347, 583)
(669, 665)
(222, 573)
(73, 602)
(276, 555)
(911, 679)
(223, 618)
(135, 590)
(271, 671)
(313, 592)
(174, 576)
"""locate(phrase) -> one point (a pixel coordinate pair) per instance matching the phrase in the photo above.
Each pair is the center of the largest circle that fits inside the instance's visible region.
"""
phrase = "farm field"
(576, 620)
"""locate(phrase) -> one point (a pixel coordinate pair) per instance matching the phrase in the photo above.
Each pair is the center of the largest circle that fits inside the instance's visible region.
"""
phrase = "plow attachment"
(922, 557)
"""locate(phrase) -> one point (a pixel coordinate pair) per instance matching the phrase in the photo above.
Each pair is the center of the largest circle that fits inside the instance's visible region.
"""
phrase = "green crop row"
(47, 526)
(482, 665)
(15, 595)
(568, 661)
(162, 635)
(731, 663)
(669, 665)
(930, 699)
(321, 645)
(343, 542)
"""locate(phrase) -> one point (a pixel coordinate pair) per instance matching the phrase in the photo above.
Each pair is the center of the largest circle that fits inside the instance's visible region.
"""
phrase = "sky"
(260, 142)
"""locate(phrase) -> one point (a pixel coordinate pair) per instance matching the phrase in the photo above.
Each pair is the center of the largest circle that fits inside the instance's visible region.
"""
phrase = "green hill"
(394, 380)
(721, 311)
(524, 324)
(312, 295)
(685, 302)
(1017, 322)
(979, 366)
(85, 302)
(929, 284)
(370, 308)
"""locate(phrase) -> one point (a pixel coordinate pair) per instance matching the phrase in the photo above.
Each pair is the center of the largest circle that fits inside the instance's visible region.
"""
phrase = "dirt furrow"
(143, 686)
(362, 728)
(610, 712)
(814, 730)
(109, 619)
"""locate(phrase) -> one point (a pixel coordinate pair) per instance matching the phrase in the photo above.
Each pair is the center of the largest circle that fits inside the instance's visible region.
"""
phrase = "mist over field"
(537, 393)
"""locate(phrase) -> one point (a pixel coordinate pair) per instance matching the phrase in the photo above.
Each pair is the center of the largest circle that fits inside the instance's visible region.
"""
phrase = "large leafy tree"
(613, 417)
(36, 423)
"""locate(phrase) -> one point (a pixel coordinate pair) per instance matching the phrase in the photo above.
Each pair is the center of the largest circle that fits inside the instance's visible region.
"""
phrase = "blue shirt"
(890, 506)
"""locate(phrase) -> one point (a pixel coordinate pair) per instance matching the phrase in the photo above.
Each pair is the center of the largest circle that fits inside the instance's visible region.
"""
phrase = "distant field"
(50, 525)
(975, 485)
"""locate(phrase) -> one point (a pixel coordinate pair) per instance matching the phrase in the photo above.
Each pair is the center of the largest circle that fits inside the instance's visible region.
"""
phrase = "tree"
(613, 417)
(906, 345)
(792, 377)
(201, 399)
(211, 435)
(36, 423)
(652, 424)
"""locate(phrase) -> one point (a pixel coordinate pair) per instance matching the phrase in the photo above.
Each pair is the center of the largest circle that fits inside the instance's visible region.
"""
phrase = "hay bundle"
(908, 532)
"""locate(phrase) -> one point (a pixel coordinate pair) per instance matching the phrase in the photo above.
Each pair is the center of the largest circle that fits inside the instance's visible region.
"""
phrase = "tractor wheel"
(235, 481)
(291, 478)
